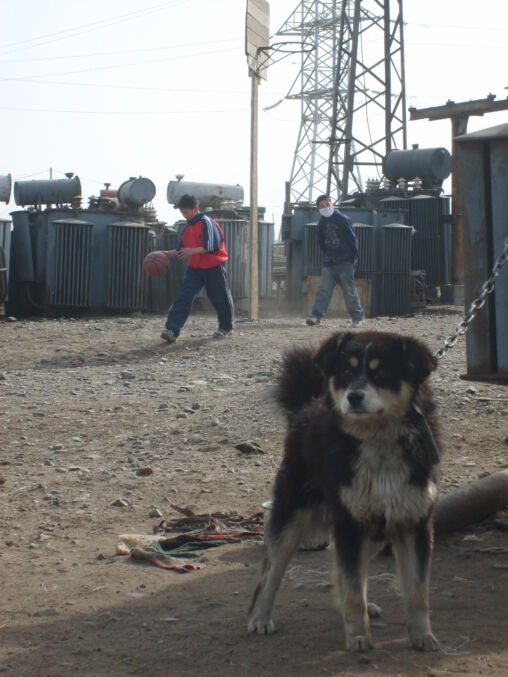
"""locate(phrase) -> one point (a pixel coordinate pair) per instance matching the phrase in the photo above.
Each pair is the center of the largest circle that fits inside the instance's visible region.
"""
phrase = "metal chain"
(479, 302)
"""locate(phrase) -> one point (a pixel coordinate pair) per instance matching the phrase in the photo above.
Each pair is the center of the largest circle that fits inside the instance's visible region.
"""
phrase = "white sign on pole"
(257, 33)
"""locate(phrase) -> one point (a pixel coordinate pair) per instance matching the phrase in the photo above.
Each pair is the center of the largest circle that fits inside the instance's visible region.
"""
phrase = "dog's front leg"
(413, 550)
(280, 548)
(352, 560)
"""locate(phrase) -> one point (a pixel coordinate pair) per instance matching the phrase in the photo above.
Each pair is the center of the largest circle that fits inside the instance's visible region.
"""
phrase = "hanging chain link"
(479, 302)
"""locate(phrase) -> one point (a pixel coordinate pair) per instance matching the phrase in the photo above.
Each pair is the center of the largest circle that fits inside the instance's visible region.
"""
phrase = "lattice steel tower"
(351, 87)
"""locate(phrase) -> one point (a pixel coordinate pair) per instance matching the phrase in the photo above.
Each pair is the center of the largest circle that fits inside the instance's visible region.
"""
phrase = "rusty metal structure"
(352, 93)
(481, 165)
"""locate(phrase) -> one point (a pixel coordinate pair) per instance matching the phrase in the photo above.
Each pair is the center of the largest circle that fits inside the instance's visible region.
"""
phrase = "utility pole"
(459, 114)
(254, 272)
(257, 38)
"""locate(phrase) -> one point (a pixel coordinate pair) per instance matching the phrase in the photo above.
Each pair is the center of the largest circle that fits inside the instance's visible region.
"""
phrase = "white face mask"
(327, 211)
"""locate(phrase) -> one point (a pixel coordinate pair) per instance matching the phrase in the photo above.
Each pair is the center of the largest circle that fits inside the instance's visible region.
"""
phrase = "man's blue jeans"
(216, 284)
(344, 275)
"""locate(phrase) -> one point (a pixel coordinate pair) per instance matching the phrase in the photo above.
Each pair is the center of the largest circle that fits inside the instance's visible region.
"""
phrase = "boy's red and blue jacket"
(202, 231)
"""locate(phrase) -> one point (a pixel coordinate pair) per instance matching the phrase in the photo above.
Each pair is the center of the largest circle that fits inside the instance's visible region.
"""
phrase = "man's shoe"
(169, 336)
(358, 323)
(222, 333)
(312, 320)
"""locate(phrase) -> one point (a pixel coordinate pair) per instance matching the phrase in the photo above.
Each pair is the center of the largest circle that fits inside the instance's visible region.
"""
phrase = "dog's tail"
(300, 380)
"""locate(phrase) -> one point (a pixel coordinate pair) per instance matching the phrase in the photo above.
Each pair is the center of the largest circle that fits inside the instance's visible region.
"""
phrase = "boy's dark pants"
(217, 289)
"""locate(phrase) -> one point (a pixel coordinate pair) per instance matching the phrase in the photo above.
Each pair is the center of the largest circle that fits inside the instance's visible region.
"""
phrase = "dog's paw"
(373, 610)
(425, 642)
(265, 627)
(359, 643)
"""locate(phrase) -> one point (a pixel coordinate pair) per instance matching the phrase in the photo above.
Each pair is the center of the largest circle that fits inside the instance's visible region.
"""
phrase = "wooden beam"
(452, 109)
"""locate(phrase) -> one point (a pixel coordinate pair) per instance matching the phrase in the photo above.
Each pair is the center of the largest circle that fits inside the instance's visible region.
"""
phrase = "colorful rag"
(200, 532)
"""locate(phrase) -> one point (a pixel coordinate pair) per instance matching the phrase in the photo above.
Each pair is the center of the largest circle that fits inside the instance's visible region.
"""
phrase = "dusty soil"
(83, 403)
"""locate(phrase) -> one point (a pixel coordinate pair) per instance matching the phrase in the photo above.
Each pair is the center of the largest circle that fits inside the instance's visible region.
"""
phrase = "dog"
(361, 459)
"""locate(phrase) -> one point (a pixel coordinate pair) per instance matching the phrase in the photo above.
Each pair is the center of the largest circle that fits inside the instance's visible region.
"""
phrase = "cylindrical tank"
(51, 191)
(208, 194)
(5, 188)
(432, 165)
(136, 192)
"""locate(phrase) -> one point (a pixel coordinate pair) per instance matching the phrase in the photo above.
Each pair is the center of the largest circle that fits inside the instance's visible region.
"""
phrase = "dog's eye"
(348, 372)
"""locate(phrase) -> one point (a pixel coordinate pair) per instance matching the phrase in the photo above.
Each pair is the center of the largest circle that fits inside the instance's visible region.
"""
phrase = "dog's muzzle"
(356, 400)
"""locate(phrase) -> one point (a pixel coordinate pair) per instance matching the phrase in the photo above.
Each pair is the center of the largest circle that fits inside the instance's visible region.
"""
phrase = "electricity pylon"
(352, 93)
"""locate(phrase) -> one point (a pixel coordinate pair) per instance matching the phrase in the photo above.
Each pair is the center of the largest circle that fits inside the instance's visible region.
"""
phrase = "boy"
(338, 242)
(202, 245)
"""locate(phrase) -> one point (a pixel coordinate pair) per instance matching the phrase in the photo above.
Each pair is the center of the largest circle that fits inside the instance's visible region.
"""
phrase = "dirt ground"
(83, 403)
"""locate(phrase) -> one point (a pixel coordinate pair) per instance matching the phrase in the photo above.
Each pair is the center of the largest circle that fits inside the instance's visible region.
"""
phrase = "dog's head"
(373, 375)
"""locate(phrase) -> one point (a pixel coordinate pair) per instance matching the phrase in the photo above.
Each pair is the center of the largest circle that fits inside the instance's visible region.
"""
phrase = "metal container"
(482, 172)
(207, 194)
(48, 192)
(319, 541)
(432, 165)
(5, 188)
(64, 260)
(134, 193)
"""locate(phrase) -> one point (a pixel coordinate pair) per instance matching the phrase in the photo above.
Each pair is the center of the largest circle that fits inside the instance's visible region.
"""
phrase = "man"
(339, 244)
(201, 244)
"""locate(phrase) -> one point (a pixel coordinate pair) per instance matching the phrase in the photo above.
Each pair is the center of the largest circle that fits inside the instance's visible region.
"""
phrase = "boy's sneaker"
(222, 333)
(312, 320)
(169, 336)
(358, 323)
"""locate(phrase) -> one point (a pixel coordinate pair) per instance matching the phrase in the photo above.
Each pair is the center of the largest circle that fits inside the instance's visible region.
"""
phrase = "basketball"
(156, 264)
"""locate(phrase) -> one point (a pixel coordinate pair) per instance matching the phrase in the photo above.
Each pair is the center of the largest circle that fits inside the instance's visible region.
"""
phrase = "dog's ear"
(327, 352)
(418, 361)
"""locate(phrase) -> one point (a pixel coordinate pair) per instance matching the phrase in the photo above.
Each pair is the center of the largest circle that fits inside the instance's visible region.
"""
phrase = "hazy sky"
(158, 88)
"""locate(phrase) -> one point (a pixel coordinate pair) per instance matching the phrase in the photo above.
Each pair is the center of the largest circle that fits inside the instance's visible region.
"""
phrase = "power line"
(125, 65)
(118, 52)
(123, 112)
(133, 87)
(468, 45)
(75, 28)
(94, 26)
(29, 176)
(456, 26)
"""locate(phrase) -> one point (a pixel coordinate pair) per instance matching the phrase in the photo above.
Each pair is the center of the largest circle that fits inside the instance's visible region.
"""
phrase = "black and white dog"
(360, 458)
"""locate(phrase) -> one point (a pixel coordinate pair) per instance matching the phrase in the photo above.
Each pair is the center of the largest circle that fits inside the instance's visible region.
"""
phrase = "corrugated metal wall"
(127, 246)
(71, 263)
(265, 256)
(432, 241)
(394, 270)
(431, 248)
(235, 237)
